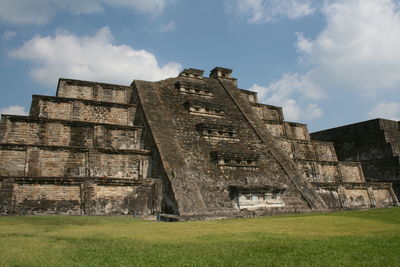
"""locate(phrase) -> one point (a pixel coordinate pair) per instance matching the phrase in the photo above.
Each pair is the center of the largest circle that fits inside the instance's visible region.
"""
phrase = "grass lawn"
(353, 238)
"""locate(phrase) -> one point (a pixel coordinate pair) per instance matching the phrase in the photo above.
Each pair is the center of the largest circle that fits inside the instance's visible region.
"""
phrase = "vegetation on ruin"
(353, 238)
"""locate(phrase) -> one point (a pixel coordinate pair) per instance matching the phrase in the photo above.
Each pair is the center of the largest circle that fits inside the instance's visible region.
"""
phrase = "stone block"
(275, 128)
(12, 162)
(329, 171)
(383, 198)
(93, 91)
(296, 131)
(356, 198)
(351, 172)
(47, 199)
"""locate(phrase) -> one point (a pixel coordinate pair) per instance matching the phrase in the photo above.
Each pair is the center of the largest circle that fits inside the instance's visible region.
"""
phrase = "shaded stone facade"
(188, 146)
(374, 143)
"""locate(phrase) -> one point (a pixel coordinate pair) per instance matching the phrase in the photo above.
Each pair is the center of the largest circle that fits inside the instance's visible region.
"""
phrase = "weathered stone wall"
(356, 198)
(360, 141)
(72, 196)
(48, 132)
(267, 112)
(356, 195)
(276, 128)
(12, 161)
(60, 162)
(93, 91)
(77, 154)
(131, 166)
(32, 198)
(296, 131)
(6, 196)
(250, 95)
(375, 143)
(382, 198)
(63, 162)
(328, 171)
(351, 172)
(307, 150)
(331, 197)
(82, 110)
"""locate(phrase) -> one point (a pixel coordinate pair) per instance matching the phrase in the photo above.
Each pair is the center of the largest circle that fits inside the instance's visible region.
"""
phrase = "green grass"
(354, 238)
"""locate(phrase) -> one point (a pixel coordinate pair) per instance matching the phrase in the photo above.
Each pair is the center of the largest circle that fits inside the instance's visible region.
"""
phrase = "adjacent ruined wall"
(374, 143)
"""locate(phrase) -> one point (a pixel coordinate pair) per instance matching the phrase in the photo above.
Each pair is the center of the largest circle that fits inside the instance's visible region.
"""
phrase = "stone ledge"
(80, 149)
(90, 83)
(261, 104)
(353, 163)
(69, 122)
(304, 141)
(87, 101)
(79, 180)
(365, 185)
(381, 160)
(295, 123)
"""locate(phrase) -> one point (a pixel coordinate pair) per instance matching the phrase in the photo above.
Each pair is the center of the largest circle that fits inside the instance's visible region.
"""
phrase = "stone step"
(285, 129)
(82, 110)
(74, 195)
(25, 160)
(69, 88)
(267, 112)
(55, 132)
(351, 195)
(57, 180)
(331, 172)
(308, 149)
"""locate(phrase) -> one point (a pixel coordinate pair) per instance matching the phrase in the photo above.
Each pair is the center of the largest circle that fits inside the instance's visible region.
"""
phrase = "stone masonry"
(374, 143)
(189, 146)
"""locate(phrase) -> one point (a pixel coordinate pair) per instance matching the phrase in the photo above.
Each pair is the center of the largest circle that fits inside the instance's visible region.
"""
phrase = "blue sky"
(327, 63)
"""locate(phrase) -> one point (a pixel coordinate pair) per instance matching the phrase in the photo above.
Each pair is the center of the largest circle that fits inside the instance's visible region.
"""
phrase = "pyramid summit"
(189, 147)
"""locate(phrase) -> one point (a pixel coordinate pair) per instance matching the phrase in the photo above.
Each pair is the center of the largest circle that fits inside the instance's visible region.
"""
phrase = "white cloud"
(264, 11)
(90, 58)
(358, 49)
(8, 35)
(387, 110)
(41, 11)
(13, 110)
(293, 93)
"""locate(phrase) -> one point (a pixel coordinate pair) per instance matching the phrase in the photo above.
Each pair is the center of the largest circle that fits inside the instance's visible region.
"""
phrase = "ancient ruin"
(189, 146)
(374, 143)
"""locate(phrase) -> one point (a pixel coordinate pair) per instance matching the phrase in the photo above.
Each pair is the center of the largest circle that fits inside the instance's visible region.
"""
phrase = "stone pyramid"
(189, 146)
